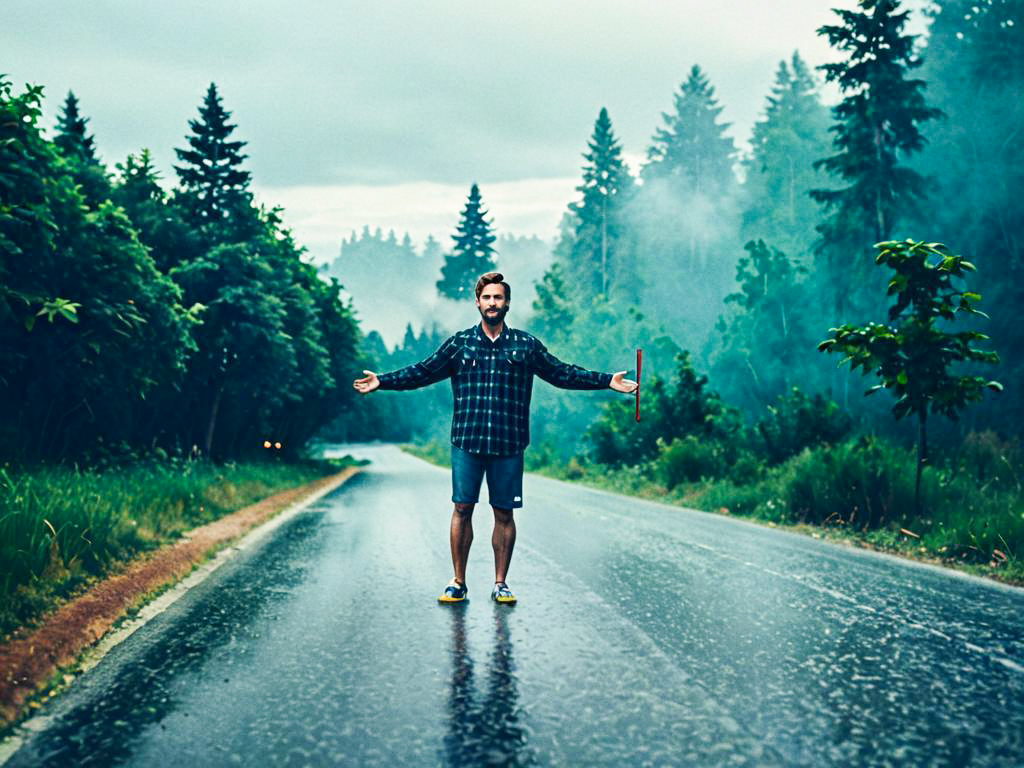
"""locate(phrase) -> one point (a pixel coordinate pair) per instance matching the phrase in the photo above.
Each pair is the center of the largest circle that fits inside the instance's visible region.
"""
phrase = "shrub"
(797, 421)
(992, 459)
(687, 459)
(864, 483)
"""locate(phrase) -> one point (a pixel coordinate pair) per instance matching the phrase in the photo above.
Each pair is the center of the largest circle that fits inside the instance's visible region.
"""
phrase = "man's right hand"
(367, 384)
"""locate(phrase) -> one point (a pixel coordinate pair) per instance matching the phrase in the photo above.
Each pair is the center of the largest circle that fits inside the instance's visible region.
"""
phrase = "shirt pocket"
(466, 360)
(515, 363)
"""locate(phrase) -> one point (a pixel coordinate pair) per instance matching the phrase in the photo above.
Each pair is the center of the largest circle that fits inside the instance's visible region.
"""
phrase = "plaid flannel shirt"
(492, 382)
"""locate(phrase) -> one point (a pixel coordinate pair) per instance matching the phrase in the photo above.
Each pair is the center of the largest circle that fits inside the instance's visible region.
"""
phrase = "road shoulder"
(38, 663)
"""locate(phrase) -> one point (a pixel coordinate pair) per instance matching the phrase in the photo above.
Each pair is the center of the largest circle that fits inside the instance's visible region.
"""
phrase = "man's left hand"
(621, 384)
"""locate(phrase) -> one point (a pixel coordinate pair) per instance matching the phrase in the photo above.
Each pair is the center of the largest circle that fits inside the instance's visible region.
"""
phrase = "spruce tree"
(684, 216)
(473, 252)
(215, 187)
(597, 245)
(71, 138)
(876, 128)
(691, 148)
(78, 149)
(780, 172)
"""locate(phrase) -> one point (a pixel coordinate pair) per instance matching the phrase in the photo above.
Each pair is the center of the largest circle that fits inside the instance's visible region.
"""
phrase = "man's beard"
(496, 318)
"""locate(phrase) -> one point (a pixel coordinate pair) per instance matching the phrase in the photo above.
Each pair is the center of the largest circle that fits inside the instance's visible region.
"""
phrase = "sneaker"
(502, 594)
(454, 593)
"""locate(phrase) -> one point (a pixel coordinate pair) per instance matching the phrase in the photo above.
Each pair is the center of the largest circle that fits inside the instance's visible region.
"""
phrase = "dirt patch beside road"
(31, 658)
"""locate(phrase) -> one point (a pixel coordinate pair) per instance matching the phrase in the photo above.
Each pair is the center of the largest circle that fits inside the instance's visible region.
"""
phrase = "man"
(491, 367)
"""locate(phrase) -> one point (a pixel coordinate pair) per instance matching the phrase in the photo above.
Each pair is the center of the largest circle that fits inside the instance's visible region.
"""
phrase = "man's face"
(492, 303)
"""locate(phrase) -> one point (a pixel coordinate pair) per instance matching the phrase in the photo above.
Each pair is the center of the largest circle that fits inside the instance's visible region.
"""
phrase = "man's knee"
(464, 510)
(503, 516)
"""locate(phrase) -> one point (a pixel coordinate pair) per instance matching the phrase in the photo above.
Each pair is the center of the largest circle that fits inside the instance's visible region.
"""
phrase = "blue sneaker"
(502, 594)
(454, 593)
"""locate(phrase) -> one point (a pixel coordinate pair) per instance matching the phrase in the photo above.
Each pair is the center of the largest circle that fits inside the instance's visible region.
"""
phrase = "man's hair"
(492, 278)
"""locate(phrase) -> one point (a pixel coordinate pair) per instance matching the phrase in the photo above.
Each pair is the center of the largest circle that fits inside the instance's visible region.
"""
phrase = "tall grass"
(865, 488)
(61, 526)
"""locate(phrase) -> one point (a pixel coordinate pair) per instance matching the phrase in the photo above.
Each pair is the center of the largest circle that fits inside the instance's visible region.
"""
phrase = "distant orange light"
(278, 446)
(266, 443)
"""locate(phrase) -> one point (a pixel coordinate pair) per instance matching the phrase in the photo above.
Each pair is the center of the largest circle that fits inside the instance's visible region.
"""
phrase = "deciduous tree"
(914, 354)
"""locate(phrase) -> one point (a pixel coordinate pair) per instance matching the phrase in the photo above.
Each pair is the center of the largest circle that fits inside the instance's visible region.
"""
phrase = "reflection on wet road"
(644, 636)
(484, 726)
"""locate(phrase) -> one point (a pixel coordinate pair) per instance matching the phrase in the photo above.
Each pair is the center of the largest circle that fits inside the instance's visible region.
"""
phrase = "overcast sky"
(383, 113)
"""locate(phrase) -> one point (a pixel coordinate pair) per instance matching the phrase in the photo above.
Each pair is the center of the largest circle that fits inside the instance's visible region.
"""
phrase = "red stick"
(639, 365)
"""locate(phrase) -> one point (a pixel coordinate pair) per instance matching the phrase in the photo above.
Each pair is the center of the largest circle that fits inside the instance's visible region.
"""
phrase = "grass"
(62, 528)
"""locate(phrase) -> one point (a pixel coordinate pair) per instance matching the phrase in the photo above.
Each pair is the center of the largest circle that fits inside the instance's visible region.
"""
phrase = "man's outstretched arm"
(421, 374)
(567, 376)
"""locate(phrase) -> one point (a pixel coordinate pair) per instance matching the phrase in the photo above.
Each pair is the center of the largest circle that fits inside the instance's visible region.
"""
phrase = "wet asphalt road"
(645, 635)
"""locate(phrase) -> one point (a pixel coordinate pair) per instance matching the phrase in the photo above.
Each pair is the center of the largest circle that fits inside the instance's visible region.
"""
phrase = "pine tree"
(684, 216)
(78, 149)
(215, 187)
(780, 172)
(432, 250)
(691, 148)
(140, 180)
(473, 253)
(606, 185)
(71, 138)
(877, 125)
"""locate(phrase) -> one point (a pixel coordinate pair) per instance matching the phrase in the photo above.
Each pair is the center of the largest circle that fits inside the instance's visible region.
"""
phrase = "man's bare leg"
(461, 539)
(504, 541)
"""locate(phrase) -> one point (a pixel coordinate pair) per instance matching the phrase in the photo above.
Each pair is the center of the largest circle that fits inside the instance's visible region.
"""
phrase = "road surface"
(644, 635)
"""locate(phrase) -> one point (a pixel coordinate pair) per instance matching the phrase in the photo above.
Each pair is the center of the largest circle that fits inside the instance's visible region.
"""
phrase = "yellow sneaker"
(502, 594)
(454, 593)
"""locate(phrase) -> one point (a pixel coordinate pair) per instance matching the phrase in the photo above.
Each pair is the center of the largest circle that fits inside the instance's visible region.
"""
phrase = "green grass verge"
(62, 528)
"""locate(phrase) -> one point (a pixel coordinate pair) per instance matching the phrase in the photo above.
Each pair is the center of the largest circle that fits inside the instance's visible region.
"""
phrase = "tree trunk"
(604, 245)
(208, 442)
(922, 457)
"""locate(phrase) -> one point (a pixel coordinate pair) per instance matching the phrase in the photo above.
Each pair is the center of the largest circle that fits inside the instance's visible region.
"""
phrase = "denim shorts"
(504, 478)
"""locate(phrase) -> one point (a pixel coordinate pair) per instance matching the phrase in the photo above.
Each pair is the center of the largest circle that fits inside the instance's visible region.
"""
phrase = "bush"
(797, 421)
(687, 459)
(992, 459)
(673, 409)
(863, 483)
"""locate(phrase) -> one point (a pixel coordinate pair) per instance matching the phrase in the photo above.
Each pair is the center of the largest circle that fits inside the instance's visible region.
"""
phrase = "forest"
(145, 319)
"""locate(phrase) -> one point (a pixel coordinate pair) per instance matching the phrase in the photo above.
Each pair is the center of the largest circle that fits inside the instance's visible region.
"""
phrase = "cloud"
(358, 93)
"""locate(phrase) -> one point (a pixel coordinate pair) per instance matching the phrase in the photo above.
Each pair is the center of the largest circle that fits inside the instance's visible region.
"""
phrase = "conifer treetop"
(473, 251)
(72, 140)
(210, 169)
(692, 144)
(877, 120)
